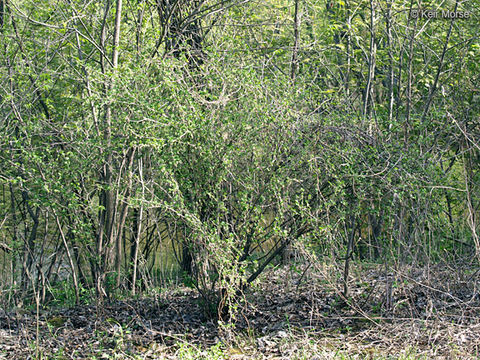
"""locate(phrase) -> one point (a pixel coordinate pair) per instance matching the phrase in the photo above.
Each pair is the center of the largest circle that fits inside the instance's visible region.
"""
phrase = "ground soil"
(292, 312)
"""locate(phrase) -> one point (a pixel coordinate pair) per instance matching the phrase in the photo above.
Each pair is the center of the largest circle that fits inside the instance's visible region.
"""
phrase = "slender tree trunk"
(353, 228)
(469, 179)
(69, 257)
(107, 213)
(368, 98)
(399, 81)
(295, 44)
(439, 69)
(409, 81)
(348, 51)
(14, 236)
(123, 216)
(391, 59)
(139, 229)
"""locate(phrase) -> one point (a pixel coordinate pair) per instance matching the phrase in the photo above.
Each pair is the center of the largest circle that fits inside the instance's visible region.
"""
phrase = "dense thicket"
(228, 134)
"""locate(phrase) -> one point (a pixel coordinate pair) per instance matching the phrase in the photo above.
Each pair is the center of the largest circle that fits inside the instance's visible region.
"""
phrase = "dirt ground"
(431, 313)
